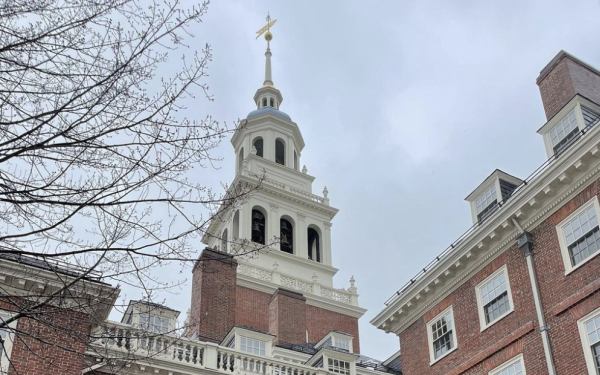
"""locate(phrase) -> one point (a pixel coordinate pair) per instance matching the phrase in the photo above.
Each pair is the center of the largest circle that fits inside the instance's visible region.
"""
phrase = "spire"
(268, 37)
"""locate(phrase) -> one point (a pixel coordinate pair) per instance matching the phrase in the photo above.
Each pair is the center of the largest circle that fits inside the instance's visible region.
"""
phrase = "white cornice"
(564, 178)
(311, 299)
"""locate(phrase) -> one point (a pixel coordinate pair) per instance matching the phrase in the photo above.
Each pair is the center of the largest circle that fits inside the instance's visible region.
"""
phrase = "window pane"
(564, 128)
(514, 369)
(442, 334)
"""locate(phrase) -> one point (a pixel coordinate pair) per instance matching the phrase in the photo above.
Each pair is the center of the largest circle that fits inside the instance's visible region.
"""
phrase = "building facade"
(262, 302)
(519, 293)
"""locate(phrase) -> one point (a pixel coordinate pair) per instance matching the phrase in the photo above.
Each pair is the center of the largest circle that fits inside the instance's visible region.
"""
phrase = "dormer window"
(486, 202)
(252, 346)
(338, 367)
(563, 132)
(341, 343)
(568, 124)
(494, 191)
(154, 323)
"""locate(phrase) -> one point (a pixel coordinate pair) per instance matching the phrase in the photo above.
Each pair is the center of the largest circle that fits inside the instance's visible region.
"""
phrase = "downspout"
(524, 241)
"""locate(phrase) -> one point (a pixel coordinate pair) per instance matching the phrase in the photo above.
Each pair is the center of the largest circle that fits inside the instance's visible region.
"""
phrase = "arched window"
(241, 160)
(295, 160)
(272, 102)
(258, 145)
(314, 248)
(286, 236)
(236, 225)
(264, 102)
(224, 241)
(279, 152)
(258, 227)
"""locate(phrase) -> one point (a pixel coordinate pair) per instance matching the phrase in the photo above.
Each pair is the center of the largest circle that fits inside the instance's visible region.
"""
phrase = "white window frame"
(493, 195)
(331, 366)
(480, 307)
(510, 362)
(562, 239)
(583, 334)
(346, 343)
(432, 358)
(8, 342)
(262, 346)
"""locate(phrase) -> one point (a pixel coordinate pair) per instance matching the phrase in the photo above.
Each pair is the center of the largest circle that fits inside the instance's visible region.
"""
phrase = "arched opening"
(295, 160)
(224, 241)
(258, 145)
(264, 102)
(258, 226)
(286, 235)
(279, 151)
(236, 225)
(272, 102)
(241, 160)
(314, 245)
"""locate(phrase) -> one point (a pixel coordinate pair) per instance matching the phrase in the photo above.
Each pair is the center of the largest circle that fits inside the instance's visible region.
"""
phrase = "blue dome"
(271, 110)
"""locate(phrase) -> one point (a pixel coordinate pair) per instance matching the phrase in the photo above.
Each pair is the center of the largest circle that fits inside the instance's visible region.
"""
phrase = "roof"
(56, 266)
(271, 110)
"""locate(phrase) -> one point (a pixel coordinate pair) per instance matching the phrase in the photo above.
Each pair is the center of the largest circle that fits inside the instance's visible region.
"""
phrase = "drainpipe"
(525, 243)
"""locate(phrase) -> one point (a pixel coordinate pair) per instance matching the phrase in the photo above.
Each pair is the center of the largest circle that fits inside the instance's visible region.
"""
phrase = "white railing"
(231, 361)
(122, 342)
(305, 194)
(126, 342)
(304, 286)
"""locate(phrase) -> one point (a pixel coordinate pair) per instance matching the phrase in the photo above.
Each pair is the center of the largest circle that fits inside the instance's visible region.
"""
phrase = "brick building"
(519, 293)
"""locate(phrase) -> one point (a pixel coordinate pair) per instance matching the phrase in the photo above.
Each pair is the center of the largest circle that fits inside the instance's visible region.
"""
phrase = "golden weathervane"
(266, 28)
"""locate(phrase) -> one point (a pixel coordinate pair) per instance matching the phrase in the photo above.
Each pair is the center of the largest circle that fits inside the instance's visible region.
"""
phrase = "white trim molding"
(493, 278)
(592, 320)
(8, 337)
(448, 313)
(562, 237)
(514, 366)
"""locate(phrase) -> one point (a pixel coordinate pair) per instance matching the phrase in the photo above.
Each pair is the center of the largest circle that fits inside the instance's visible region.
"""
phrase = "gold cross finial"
(266, 29)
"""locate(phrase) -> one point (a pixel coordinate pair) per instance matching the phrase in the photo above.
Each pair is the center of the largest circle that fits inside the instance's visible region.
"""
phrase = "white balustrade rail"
(126, 343)
(304, 286)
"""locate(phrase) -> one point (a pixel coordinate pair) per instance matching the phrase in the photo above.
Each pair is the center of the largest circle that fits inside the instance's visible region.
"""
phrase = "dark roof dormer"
(491, 193)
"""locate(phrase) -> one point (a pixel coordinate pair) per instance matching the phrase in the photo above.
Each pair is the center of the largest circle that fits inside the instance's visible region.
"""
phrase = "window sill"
(575, 268)
(483, 328)
(443, 356)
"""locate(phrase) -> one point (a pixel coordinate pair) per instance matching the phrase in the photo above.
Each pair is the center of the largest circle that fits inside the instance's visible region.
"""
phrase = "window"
(279, 152)
(589, 330)
(258, 145)
(154, 323)
(338, 367)
(494, 299)
(563, 132)
(295, 160)
(314, 252)
(341, 343)
(258, 227)
(264, 102)
(252, 346)
(579, 235)
(241, 160)
(286, 237)
(224, 241)
(7, 335)
(271, 102)
(514, 366)
(486, 203)
(442, 337)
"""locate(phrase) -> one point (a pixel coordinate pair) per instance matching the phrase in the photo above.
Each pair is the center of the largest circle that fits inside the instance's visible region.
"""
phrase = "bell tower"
(281, 235)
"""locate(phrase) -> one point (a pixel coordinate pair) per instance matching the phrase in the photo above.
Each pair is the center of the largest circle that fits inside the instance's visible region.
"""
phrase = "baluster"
(237, 363)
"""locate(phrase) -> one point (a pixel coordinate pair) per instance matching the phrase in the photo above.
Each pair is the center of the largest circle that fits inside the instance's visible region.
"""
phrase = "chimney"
(213, 304)
(563, 78)
(287, 317)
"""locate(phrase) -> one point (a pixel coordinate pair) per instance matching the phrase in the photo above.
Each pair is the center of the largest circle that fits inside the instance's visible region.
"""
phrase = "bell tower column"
(327, 242)
(273, 229)
(301, 237)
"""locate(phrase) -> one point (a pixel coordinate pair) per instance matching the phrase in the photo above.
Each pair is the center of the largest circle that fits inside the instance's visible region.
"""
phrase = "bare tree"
(95, 149)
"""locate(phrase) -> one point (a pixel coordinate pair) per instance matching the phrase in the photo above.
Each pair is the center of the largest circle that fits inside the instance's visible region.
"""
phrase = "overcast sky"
(405, 107)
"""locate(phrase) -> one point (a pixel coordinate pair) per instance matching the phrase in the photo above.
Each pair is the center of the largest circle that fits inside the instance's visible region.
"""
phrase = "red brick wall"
(287, 317)
(52, 344)
(565, 299)
(320, 322)
(252, 308)
(213, 306)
